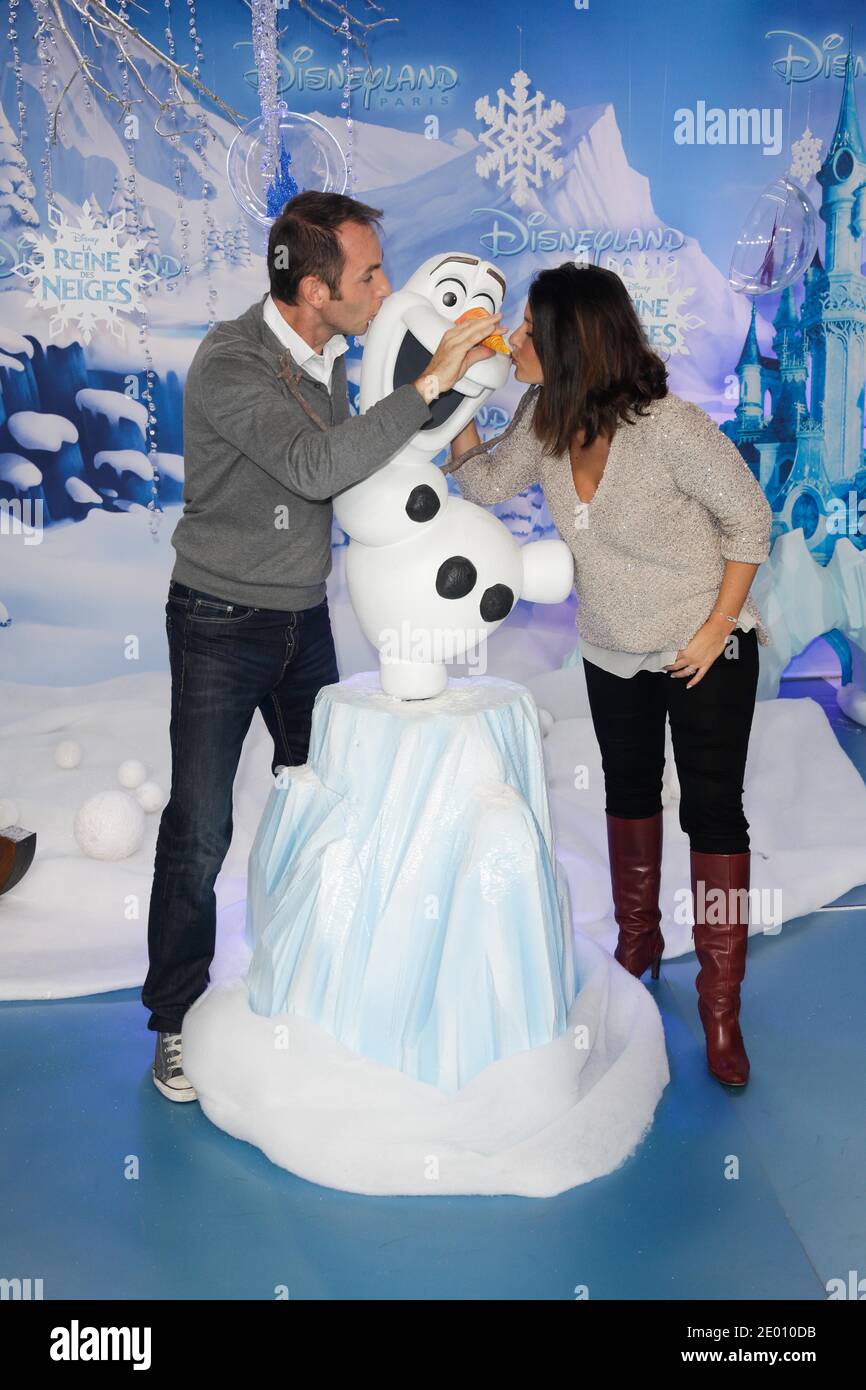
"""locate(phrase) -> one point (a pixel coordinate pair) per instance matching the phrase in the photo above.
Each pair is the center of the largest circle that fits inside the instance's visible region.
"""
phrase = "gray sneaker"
(167, 1069)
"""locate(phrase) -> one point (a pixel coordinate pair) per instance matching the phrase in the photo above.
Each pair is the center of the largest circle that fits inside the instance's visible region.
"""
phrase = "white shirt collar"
(318, 364)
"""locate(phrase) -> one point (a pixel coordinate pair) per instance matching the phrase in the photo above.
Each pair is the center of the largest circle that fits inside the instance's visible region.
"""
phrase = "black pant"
(227, 661)
(710, 726)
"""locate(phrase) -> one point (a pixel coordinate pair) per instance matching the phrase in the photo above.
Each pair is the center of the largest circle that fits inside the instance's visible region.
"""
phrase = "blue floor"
(109, 1191)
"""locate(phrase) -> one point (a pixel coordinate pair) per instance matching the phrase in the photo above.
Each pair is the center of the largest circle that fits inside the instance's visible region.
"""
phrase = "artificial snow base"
(413, 1018)
(531, 1125)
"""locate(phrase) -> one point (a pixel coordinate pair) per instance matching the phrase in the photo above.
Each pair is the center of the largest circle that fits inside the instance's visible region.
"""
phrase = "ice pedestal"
(415, 1016)
(403, 888)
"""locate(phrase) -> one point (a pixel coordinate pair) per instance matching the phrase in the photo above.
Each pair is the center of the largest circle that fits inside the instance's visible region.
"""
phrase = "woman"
(668, 526)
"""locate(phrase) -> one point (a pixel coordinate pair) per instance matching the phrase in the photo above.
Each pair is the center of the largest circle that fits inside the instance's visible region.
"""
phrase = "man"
(268, 441)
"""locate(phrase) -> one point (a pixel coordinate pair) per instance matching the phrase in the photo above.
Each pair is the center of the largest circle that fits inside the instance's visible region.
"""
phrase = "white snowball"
(8, 813)
(546, 721)
(151, 796)
(131, 774)
(109, 825)
(68, 753)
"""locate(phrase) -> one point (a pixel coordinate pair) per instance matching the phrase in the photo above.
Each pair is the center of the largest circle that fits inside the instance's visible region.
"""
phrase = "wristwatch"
(430, 388)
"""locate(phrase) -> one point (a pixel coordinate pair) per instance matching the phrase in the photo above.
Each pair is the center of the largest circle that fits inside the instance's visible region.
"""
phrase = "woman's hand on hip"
(696, 659)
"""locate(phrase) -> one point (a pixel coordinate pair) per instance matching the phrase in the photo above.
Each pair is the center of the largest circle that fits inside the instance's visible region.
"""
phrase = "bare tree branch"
(96, 15)
(98, 18)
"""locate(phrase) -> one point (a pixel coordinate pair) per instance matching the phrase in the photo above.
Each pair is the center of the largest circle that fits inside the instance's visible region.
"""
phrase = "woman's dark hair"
(597, 363)
(303, 241)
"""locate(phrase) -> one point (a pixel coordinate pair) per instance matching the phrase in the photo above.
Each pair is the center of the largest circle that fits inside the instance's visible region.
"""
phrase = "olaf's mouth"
(412, 358)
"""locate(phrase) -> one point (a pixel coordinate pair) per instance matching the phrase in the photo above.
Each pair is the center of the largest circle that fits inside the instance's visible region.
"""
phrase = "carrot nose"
(495, 340)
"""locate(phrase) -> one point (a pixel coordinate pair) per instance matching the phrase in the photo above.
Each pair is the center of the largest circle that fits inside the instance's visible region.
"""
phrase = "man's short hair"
(303, 241)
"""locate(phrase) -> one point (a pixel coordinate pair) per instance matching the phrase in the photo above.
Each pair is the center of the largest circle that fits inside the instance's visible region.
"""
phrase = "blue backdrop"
(659, 126)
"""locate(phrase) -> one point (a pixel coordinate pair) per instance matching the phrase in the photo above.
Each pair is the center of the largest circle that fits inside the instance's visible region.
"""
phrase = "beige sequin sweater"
(675, 501)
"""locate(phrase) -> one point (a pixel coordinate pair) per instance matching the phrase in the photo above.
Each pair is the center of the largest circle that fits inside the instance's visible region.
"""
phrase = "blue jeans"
(227, 660)
(710, 727)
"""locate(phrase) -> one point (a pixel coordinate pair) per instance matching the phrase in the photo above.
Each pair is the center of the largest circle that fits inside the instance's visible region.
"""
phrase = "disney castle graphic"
(808, 453)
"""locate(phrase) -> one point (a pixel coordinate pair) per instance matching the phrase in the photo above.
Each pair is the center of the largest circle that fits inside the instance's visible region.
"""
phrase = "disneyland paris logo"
(408, 85)
(509, 235)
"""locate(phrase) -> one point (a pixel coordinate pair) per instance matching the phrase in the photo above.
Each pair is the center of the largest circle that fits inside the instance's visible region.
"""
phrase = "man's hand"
(459, 348)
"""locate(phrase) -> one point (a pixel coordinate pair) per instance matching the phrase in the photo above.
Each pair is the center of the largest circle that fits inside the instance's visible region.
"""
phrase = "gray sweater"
(260, 474)
(676, 500)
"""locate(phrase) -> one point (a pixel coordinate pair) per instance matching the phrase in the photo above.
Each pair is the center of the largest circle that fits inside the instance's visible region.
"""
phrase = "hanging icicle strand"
(20, 104)
(177, 169)
(44, 43)
(266, 61)
(133, 202)
(346, 105)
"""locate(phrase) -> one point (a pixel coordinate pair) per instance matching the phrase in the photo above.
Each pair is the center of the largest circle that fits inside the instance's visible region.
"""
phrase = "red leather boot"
(720, 945)
(635, 852)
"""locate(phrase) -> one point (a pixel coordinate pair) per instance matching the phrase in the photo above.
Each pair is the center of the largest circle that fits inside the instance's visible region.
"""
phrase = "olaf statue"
(431, 576)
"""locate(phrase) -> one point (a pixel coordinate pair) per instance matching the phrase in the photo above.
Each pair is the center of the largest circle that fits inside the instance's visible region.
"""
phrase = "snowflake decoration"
(519, 139)
(806, 161)
(100, 260)
(659, 304)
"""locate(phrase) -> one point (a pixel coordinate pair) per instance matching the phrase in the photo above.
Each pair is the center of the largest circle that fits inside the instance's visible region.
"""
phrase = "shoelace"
(171, 1053)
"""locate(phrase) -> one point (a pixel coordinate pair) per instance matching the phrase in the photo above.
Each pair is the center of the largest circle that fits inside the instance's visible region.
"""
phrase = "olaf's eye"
(490, 301)
(450, 294)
